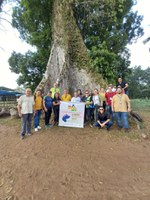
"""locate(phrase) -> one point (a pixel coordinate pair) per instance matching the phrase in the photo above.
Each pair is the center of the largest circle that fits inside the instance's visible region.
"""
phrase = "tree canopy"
(106, 27)
(139, 81)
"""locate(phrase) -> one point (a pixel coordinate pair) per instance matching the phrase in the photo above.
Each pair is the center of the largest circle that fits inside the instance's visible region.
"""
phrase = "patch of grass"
(132, 134)
(140, 105)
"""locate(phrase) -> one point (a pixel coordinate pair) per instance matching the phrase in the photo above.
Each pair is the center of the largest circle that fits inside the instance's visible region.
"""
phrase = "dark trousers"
(96, 107)
(48, 116)
(108, 124)
(56, 114)
(26, 123)
(88, 113)
(104, 105)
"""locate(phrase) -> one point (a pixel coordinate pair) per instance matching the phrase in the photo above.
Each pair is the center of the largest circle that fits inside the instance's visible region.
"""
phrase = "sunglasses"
(101, 109)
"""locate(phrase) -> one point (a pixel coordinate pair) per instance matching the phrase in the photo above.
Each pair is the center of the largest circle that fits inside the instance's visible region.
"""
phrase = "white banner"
(71, 114)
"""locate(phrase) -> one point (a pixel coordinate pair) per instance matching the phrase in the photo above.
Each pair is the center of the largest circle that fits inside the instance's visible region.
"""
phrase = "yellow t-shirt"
(103, 96)
(38, 103)
(65, 97)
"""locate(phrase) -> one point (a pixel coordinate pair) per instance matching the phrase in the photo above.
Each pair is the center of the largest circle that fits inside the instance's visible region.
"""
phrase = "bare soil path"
(73, 164)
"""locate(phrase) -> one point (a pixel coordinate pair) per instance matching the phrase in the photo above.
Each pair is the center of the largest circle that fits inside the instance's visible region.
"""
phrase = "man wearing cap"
(121, 106)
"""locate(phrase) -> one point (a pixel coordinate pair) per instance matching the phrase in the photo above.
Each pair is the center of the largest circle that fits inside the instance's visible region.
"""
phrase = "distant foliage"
(139, 82)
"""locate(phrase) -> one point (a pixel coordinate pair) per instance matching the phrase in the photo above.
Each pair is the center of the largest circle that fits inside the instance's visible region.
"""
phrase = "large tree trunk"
(69, 62)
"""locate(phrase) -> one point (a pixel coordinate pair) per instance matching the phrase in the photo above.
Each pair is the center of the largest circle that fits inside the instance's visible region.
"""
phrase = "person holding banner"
(76, 98)
(66, 97)
(56, 103)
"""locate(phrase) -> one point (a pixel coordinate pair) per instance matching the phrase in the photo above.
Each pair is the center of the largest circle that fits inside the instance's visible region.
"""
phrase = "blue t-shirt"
(48, 102)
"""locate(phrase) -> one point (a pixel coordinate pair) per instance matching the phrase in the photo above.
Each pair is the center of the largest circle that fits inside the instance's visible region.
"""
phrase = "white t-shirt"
(76, 100)
(96, 100)
(26, 104)
(113, 89)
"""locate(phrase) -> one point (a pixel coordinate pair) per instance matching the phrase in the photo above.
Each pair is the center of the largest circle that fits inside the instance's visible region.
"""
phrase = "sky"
(140, 53)
(10, 41)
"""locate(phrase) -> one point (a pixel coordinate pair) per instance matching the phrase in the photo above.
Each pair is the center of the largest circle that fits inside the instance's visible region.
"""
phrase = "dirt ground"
(73, 164)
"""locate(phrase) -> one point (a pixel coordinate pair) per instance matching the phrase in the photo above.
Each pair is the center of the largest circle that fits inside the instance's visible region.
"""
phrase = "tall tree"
(106, 27)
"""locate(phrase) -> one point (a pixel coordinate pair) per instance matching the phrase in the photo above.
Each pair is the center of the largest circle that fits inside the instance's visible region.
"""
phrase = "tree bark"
(69, 61)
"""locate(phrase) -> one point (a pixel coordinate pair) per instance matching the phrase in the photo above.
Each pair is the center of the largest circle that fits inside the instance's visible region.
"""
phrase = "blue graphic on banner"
(65, 117)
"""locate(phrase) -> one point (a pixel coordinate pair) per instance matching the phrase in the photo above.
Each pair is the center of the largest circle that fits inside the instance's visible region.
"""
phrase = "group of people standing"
(101, 107)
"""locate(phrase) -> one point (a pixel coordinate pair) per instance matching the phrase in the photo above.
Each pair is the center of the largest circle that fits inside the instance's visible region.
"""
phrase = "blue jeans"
(122, 119)
(26, 123)
(109, 110)
(108, 124)
(37, 118)
(127, 92)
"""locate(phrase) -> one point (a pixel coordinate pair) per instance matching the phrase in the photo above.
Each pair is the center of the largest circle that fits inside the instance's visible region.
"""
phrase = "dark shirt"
(56, 100)
(103, 117)
(87, 99)
(122, 84)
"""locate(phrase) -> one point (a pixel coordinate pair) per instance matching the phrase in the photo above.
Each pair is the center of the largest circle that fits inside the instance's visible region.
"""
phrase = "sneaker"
(50, 125)
(29, 134)
(56, 124)
(22, 137)
(46, 126)
(39, 127)
(91, 125)
(36, 129)
(108, 129)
